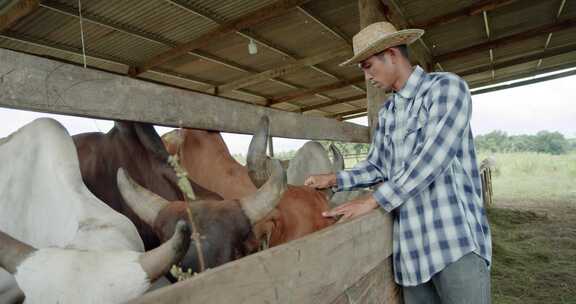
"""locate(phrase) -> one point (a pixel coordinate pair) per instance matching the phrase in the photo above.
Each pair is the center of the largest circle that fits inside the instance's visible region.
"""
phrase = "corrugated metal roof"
(131, 31)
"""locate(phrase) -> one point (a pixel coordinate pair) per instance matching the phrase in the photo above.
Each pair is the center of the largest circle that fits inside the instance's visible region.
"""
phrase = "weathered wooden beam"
(510, 39)
(549, 38)
(313, 91)
(14, 11)
(38, 84)
(472, 10)
(213, 17)
(314, 269)
(547, 53)
(524, 82)
(151, 75)
(355, 116)
(284, 70)
(375, 287)
(329, 28)
(209, 15)
(270, 11)
(419, 50)
(347, 113)
(331, 103)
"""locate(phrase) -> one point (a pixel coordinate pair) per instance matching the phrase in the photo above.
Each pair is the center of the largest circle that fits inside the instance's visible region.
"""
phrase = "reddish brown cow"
(209, 164)
(224, 225)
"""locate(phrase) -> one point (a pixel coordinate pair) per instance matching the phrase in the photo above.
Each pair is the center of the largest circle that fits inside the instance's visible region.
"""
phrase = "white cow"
(312, 159)
(45, 205)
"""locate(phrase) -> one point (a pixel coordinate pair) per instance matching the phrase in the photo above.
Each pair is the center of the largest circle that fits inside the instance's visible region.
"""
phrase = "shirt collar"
(411, 86)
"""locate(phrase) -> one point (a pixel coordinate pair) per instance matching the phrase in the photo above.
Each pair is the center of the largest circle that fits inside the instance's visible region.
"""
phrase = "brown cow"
(224, 225)
(209, 164)
(154, 202)
(138, 149)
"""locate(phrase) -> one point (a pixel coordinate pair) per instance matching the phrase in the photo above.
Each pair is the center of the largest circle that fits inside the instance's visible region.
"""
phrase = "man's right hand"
(321, 181)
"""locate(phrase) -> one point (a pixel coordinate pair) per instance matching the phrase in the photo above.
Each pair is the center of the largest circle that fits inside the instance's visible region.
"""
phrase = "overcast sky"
(549, 105)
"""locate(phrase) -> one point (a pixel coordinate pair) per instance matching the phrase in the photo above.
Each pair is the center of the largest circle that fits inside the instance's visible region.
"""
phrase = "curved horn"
(258, 205)
(142, 201)
(338, 163)
(256, 161)
(13, 252)
(158, 261)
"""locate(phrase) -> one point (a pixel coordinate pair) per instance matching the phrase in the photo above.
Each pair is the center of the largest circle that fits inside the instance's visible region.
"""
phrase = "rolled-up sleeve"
(449, 116)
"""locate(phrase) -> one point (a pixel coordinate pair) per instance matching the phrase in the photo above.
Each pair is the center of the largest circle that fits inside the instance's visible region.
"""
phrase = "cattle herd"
(99, 218)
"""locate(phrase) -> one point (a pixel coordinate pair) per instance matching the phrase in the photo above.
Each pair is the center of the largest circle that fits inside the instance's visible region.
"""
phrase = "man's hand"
(353, 208)
(321, 181)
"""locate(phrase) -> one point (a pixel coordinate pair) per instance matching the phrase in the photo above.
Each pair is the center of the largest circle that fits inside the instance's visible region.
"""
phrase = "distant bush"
(543, 142)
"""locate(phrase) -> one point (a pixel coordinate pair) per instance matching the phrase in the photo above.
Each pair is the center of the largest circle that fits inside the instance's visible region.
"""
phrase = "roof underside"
(510, 40)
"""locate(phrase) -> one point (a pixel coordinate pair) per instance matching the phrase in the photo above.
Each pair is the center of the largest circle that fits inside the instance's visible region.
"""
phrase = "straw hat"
(377, 37)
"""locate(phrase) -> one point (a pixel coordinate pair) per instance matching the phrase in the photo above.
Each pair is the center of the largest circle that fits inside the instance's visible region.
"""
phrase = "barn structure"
(220, 65)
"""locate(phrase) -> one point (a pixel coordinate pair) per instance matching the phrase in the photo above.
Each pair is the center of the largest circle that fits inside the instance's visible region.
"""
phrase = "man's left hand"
(353, 208)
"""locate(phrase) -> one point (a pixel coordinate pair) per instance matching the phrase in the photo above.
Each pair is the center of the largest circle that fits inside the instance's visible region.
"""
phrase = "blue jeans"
(466, 281)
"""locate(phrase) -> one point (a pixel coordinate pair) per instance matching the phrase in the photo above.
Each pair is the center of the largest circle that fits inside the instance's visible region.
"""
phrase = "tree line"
(542, 142)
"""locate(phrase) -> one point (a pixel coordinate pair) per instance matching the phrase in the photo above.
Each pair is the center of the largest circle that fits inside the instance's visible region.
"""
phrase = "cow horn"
(158, 261)
(338, 163)
(256, 161)
(13, 252)
(258, 205)
(142, 201)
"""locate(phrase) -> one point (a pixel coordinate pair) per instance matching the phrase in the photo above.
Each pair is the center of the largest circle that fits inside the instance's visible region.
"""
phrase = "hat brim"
(397, 38)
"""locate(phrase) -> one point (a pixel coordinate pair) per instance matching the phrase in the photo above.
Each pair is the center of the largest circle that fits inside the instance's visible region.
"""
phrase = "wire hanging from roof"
(82, 32)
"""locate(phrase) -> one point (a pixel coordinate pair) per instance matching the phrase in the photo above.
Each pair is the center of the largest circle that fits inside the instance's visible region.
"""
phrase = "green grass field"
(534, 177)
(533, 223)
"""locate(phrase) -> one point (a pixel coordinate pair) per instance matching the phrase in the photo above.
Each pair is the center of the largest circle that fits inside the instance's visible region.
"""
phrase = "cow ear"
(13, 252)
(150, 139)
(338, 159)
(146, 204)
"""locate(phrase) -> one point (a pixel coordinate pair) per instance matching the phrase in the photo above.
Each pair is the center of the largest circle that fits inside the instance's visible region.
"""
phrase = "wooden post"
(372, 11)
(379, 286)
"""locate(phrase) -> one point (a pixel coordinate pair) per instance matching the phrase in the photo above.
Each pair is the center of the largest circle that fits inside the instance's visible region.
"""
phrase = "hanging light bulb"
(252, 47)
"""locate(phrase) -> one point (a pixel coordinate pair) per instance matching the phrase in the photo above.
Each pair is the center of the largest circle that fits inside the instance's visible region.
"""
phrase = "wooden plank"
(376, 287)
(524, 82)
(38, 84)
(334, 102)
(313, 91)
(314, 269)
(352, 112)
(284, 70)
(546, 53)
(509, 39)
(472, 10)
(270, 11)
(329, 28)
(16, 11)
(419, 51)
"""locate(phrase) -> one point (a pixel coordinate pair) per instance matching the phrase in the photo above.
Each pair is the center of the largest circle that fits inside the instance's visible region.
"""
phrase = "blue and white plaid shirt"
(423, 155)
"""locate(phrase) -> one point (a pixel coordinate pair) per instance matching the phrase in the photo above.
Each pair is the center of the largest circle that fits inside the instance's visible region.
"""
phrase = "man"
(423, 156)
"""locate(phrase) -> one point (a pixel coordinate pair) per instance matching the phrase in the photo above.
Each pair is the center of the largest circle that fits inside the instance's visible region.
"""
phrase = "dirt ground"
(534, 249)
